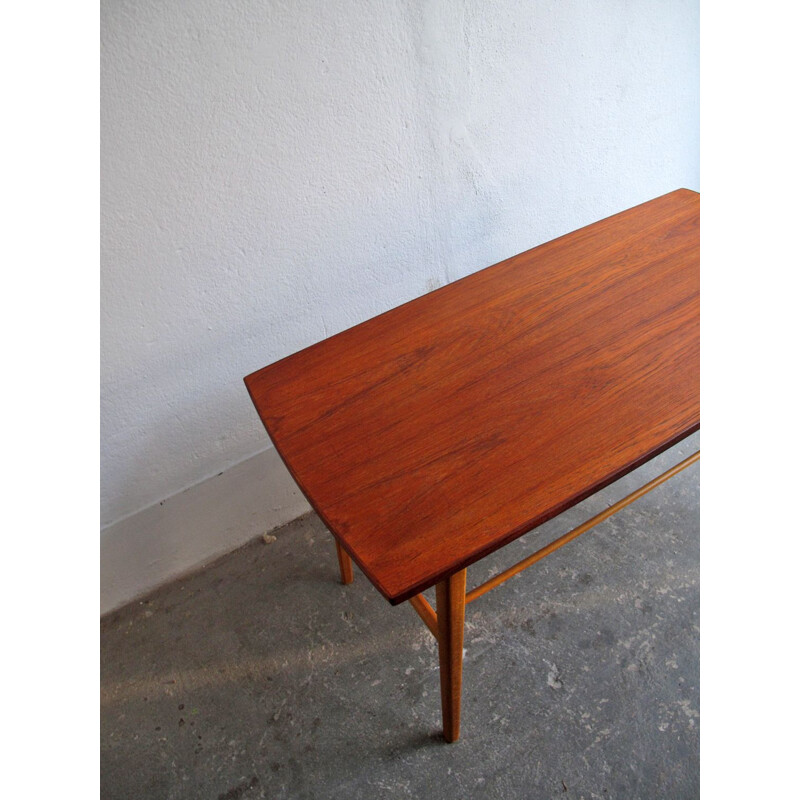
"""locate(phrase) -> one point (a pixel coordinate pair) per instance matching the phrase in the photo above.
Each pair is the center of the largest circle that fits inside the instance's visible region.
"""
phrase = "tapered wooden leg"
(345, 564)
(450, 596)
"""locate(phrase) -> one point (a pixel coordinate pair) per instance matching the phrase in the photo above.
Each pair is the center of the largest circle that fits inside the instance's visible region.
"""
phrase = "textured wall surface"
(274, 172)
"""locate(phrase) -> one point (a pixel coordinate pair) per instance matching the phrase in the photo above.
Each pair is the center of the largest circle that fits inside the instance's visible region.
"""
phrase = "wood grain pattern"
(437, 432)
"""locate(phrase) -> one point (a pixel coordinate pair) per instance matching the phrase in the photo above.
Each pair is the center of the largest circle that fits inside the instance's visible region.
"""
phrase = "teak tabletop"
(435, 433)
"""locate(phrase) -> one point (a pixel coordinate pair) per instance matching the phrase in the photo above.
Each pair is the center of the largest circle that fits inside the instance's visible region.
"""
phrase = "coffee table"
(434, 434)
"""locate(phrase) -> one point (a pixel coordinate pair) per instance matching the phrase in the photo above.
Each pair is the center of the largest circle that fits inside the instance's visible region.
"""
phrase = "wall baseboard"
(192, 528)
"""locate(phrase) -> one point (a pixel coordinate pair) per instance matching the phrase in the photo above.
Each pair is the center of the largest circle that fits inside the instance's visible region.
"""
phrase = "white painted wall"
(274, 172)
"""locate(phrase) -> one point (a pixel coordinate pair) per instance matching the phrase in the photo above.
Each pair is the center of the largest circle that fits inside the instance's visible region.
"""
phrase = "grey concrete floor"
(262, 677)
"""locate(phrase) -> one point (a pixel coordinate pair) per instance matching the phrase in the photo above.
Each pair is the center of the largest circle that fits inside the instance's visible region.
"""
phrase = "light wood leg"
(345, 564)
(450, 596)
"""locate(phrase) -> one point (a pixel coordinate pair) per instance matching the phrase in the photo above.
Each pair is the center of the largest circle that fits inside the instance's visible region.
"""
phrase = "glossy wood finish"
(437, 432)
(502, 577)
(345, 564)
(450, 600)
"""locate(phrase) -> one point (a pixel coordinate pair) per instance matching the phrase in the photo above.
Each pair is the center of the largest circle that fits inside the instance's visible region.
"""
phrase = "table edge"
(481, 553)
(527, 527)
(448, 286)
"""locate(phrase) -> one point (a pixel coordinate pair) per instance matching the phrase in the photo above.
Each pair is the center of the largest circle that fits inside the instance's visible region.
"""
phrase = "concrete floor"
(263, 677)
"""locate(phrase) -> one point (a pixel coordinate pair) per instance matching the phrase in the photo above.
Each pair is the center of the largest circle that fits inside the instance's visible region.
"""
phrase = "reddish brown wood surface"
(435, 433)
